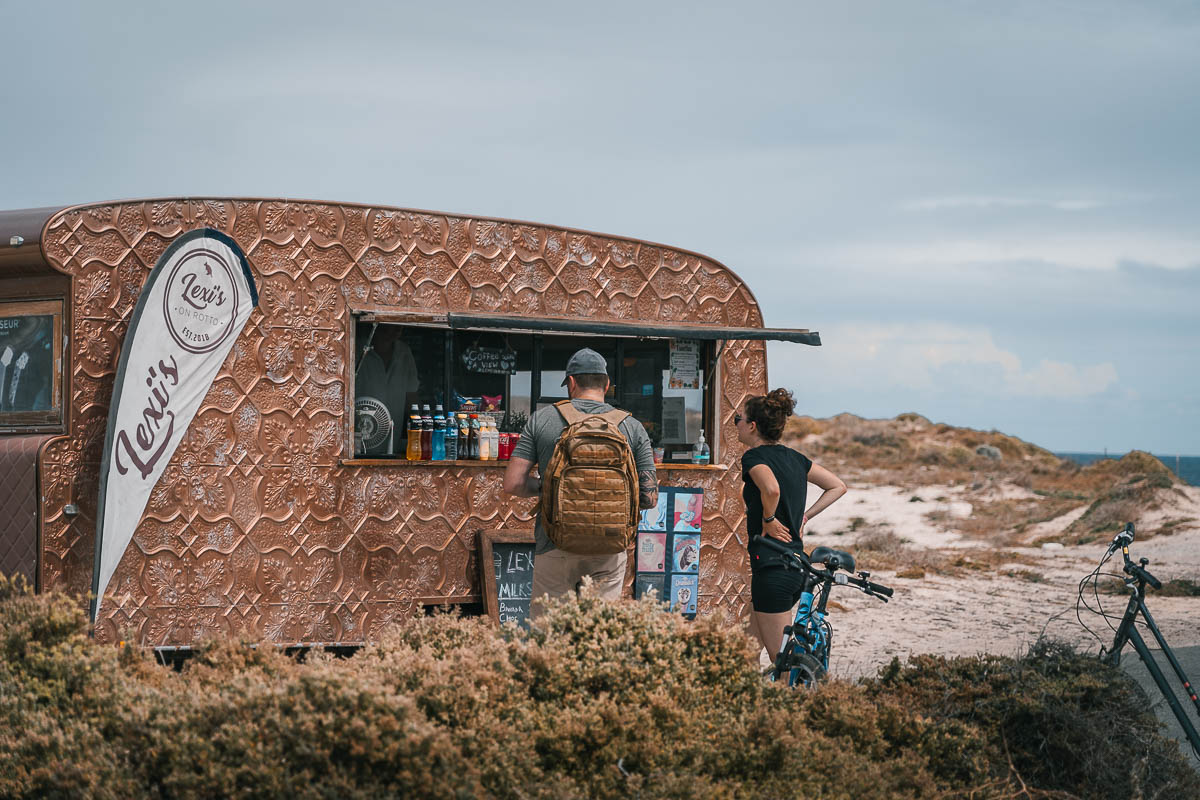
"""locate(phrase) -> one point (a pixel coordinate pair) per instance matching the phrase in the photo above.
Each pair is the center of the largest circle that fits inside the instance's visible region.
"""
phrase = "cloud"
(984, 202)
(1085, 250)
(935, 357)
(1057, 379)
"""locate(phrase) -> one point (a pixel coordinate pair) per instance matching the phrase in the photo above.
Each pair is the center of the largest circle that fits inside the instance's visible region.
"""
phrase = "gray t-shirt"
(542, 432)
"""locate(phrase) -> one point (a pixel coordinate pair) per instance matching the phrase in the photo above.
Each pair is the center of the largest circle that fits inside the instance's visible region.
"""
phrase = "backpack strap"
(616, 416)
(571, 414)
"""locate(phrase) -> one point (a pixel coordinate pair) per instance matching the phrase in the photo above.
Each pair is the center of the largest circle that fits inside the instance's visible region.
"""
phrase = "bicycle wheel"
(806, 670)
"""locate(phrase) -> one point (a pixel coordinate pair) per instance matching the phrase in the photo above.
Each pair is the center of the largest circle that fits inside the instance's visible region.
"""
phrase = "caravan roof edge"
(401, 209)
(21, 253)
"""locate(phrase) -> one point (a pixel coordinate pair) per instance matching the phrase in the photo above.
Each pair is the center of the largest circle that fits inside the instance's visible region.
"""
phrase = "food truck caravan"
(272, 372)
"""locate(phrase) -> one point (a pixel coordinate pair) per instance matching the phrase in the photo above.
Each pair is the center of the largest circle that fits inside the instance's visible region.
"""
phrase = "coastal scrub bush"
(1063, 721)
(600, 700)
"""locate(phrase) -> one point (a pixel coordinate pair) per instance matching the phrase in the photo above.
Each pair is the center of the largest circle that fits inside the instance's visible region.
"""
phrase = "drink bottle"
(413, 412)
(486, 451)
(438, 443)
(700, 451)
(413, 452)
(464, 438)
(440, 427)
(475, 455)
(426, 433)
(450, 438)
(493, 439)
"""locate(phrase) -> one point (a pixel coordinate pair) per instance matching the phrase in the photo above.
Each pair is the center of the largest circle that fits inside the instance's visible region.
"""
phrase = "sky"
(988, 210)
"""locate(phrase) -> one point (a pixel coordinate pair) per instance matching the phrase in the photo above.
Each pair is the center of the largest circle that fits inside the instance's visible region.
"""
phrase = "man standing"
(555, 572)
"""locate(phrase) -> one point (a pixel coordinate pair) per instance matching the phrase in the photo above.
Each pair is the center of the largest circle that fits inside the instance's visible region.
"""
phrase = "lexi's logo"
(201, 299)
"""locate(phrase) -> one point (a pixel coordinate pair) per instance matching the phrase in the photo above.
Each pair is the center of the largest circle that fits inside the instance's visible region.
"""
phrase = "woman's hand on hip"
(777, 530)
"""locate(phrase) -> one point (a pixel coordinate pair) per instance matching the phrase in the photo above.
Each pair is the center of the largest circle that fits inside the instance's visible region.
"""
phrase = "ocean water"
(1188, 467)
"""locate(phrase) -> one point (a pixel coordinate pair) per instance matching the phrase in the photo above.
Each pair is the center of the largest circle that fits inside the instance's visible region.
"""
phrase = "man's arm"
(643, 455)
(647, 488)
(519, 480)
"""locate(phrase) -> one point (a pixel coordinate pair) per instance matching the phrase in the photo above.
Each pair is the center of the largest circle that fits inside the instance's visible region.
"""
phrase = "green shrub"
(601, 700)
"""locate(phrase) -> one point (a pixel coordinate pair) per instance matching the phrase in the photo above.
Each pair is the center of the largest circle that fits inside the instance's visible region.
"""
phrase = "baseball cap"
(585, 362)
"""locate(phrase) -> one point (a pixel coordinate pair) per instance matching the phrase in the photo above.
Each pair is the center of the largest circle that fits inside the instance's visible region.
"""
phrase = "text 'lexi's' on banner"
(190, 312)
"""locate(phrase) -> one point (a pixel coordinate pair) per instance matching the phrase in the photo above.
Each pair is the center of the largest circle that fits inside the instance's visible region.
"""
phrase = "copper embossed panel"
(258, 529)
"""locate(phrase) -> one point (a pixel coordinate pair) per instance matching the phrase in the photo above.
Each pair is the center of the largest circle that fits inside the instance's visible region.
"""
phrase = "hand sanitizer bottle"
(700, 452)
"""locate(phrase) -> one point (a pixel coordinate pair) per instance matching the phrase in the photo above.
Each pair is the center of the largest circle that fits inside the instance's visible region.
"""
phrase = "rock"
(1053, 546)
(988, 451)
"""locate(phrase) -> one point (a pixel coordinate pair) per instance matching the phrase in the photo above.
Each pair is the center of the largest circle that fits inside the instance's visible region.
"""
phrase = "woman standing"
(776, 479)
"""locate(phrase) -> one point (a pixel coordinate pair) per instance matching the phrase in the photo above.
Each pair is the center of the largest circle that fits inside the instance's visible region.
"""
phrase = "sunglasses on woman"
(737, 418)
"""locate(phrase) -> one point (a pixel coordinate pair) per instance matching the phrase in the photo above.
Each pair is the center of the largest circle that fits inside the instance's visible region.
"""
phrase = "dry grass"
(911, 452)
(878, 548)
(1004, 522)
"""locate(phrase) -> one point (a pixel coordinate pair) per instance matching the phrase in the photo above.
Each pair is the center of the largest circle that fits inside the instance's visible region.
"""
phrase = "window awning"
(466, 321)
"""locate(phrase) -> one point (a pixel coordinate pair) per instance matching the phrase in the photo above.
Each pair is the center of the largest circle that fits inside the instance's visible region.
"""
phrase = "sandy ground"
(987, 612)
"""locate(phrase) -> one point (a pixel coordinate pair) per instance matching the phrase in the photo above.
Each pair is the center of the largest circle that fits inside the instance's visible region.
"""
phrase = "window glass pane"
(30, 363)
(399, 365)
(555, 352)
(641, 389)
(26, 362)
(492, 372)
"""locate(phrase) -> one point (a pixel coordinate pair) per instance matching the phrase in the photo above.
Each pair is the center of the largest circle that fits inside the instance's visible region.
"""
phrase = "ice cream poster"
(684, 589)
(644, 584)
(685, 552)
(651, 552)
(688, 509)
(655, 519)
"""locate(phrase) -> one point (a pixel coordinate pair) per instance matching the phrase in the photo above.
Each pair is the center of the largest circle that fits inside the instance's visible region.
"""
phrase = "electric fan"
(372, 426)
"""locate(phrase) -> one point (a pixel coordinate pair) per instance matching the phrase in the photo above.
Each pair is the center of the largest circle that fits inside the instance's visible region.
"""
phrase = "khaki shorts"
(557, 574)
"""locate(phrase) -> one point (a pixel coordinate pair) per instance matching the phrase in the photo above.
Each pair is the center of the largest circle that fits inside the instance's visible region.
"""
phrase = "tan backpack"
(590, 489)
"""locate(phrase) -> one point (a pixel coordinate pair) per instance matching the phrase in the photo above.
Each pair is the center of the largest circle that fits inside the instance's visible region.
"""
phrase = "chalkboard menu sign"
(490, 360)
(506, 567)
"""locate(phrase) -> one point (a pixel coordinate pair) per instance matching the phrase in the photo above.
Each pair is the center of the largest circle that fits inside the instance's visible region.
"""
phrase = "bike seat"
(834, 559)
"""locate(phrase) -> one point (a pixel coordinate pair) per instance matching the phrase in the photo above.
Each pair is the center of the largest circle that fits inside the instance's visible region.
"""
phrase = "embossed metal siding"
(256, 528)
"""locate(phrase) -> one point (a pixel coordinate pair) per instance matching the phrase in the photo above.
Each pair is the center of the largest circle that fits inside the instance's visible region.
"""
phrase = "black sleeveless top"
(791, 473)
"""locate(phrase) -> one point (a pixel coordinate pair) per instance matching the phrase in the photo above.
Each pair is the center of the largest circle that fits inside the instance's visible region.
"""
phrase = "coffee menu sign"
(190, 312)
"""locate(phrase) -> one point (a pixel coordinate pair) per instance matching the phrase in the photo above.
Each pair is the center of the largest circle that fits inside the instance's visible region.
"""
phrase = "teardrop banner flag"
(191, 311)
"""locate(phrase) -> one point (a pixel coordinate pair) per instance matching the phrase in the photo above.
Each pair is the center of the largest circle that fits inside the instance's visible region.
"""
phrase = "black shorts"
(774, 590)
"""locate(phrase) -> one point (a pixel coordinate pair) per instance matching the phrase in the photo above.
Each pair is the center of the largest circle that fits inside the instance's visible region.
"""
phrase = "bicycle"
(1136, 579)
(807, 642)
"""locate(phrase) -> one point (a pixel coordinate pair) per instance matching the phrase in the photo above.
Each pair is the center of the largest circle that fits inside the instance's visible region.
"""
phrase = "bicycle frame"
(1127, 632)
(811, 632)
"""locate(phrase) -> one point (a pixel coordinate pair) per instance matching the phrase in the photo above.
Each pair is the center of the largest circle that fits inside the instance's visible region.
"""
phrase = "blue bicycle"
(807, 642)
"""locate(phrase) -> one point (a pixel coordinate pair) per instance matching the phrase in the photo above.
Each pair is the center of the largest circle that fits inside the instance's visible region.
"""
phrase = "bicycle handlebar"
(1122, 539)
(1141, 574)
(876, 589)
(1121, 542)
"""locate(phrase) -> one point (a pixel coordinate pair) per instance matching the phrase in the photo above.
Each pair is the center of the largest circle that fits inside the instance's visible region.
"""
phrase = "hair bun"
(770, 412)
(782, 400)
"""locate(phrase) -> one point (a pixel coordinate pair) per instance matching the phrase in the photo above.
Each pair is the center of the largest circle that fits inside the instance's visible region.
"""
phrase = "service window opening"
(508, 375)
